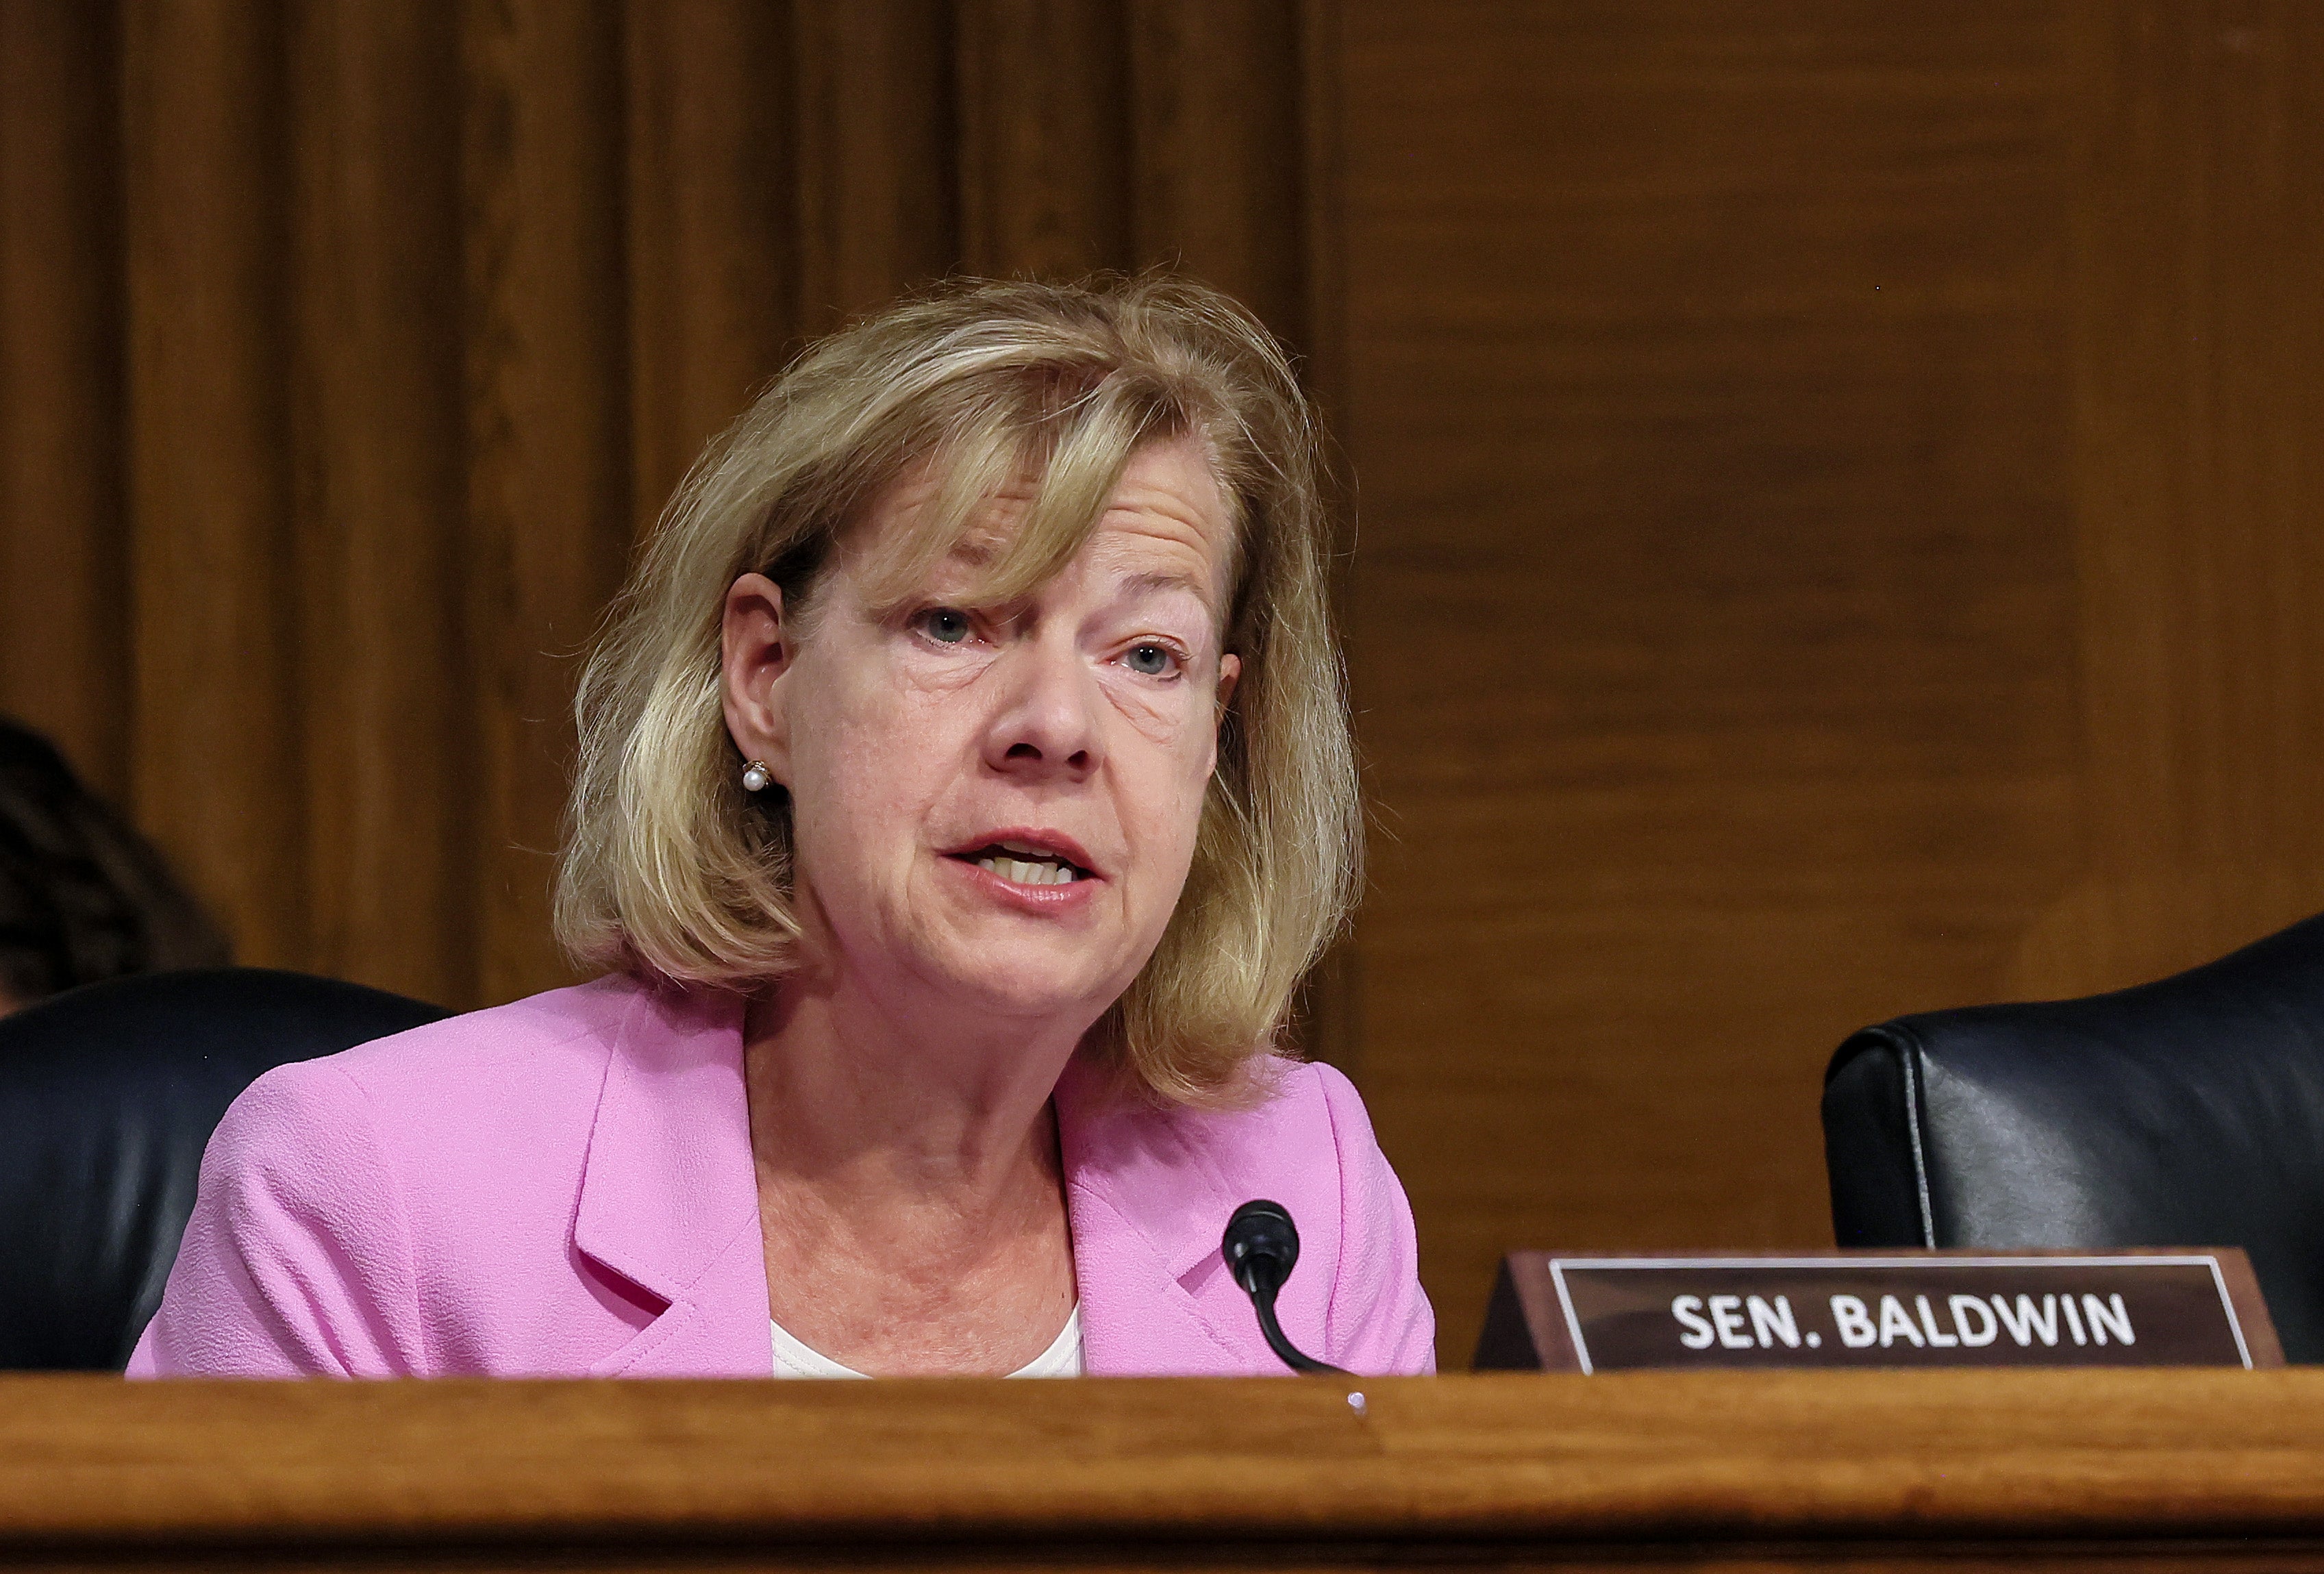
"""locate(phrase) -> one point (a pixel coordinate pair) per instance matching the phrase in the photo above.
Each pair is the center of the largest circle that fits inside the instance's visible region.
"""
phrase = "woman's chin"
(1038, 978)
(1025, 990)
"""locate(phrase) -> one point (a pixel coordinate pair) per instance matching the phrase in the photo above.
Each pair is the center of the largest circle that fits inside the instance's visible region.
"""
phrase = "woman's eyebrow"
(1160, 581)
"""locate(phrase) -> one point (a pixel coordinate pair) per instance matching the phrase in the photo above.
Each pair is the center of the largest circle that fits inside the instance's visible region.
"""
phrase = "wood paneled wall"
(2197, 468)
(1840, 536)
(1836, 483)
(1715, 604)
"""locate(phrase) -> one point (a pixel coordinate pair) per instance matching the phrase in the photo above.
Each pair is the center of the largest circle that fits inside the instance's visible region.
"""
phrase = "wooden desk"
(2175, 1470)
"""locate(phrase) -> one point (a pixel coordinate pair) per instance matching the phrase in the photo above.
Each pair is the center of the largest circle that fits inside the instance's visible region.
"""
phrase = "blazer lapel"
(668, 1197)
(1147, 1209)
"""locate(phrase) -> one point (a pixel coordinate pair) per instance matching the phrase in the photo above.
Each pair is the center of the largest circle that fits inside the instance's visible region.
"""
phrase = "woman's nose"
(1047, 721)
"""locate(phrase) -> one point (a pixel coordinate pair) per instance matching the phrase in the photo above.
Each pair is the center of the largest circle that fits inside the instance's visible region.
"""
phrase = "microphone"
(1261, 1245)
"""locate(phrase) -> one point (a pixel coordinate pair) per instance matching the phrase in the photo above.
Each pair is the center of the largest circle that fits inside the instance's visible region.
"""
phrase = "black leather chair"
(2187, 1112)
(108, 1094)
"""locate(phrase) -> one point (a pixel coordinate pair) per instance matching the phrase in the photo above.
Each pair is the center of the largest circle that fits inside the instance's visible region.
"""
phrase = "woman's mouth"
(1025, 865)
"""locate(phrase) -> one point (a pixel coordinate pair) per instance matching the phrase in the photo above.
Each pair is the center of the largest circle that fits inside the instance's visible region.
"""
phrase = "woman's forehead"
(1175, 472)
(1167, 520)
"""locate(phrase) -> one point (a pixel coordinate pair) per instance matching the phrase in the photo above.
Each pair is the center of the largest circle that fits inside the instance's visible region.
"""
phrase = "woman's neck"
(853, 1094)
(910, 1188)
(903, 1117)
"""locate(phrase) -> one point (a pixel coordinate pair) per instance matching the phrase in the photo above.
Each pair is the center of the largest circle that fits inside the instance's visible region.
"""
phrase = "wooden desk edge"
(1734, 1459)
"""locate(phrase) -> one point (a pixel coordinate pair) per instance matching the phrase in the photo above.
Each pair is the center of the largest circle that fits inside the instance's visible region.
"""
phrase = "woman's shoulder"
(1312, 1124)
(1301, 1137)
(516, 1034)
(1284, 1098)
(431, 1084)
(341, 1195)
(1175, 1175)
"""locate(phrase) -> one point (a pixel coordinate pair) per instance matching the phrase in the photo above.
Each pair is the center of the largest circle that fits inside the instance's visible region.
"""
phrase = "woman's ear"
(1230, 670)
(756, 650)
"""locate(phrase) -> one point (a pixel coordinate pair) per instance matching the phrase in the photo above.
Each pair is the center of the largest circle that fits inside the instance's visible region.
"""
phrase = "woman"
(964, 785)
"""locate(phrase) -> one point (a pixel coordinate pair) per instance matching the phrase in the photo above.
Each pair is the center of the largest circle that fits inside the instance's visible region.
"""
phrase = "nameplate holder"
(2196, 1306)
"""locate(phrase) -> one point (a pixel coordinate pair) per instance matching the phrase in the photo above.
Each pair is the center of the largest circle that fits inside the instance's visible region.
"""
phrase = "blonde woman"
(964, 785)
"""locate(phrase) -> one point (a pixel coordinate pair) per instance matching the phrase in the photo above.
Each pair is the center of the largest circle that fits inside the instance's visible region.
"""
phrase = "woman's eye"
(1152, 660)
(944, 625)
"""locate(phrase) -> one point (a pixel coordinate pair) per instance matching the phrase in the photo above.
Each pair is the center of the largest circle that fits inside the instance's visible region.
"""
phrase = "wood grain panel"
(1043, 136)
(65, 628)
(713, 243)
(1322, 230)
(1328, 1014)
(879, 208)
(548, 443)
(2198, 467)
(1757, 1470)
(1216, 149)
(217, 759)
(381, 495)
(1713, 623)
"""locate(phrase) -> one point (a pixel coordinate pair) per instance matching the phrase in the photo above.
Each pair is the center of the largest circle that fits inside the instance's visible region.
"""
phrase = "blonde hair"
(671, 870)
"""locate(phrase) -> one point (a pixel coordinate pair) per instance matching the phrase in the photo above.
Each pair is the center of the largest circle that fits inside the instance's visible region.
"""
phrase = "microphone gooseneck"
(1261, 1245)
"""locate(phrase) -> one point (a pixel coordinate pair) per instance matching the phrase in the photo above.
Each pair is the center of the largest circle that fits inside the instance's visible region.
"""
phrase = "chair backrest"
(108, 1096)
(2187, 1112)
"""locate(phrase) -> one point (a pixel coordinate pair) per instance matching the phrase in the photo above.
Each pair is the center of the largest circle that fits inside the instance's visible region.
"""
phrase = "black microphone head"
(1261, 1246)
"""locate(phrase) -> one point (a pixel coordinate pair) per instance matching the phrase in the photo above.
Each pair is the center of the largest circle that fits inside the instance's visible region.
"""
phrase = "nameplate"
(2194, 1307)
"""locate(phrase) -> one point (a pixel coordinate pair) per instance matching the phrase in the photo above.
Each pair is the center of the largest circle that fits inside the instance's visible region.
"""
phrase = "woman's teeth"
(1028, 874)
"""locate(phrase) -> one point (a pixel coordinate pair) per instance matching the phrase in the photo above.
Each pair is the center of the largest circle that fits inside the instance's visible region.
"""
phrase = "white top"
(1062, 1358)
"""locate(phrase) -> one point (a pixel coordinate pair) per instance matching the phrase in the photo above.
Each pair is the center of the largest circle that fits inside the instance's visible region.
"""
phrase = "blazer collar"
(669, 1194)
(1148, 1205)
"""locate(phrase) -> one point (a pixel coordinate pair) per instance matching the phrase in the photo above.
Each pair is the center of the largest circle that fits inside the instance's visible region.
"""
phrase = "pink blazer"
(563, 1186)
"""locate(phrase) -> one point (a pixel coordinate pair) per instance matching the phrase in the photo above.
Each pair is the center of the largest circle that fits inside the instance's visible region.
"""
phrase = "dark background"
(1839, 483)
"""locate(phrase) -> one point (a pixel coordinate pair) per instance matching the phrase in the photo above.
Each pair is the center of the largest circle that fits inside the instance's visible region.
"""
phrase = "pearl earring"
(755, 778)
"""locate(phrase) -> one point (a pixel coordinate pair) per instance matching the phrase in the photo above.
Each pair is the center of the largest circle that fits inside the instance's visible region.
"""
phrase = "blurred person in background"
(83, 898)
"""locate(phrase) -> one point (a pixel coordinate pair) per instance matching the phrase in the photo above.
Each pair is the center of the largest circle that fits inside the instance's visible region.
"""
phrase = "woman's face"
(999, 801)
